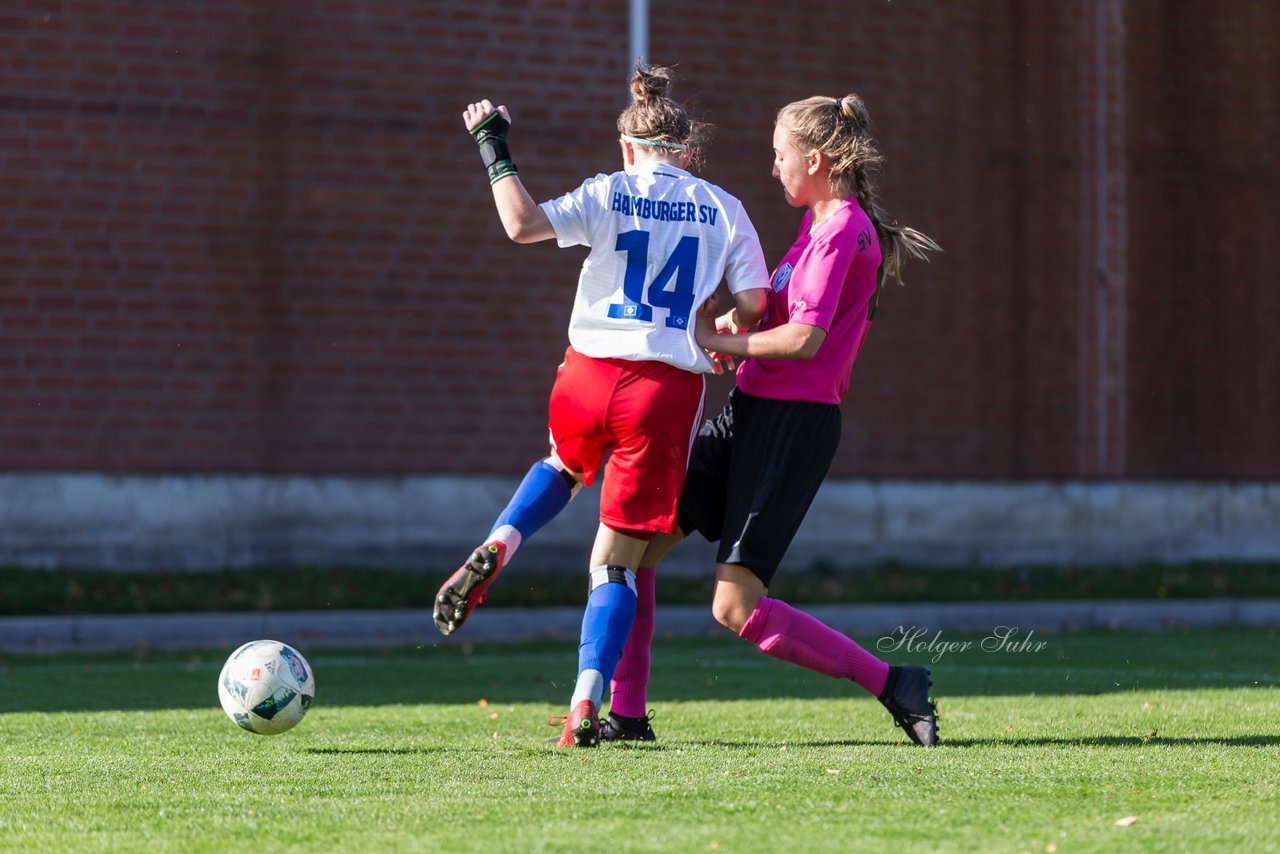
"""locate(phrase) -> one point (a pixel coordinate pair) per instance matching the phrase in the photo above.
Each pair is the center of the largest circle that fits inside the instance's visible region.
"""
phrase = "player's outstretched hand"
(720, 363)
(476, 114)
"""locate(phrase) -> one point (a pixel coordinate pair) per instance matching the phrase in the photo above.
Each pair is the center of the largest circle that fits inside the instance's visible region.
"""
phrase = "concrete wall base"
(203, 522)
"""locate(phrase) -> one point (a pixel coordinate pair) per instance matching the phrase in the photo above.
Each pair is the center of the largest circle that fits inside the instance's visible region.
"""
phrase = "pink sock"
(627, 691)
(781, 631)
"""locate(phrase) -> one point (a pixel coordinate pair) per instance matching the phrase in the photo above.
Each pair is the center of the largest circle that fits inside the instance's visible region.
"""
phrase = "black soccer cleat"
(906, 696)
(467, 587)
(619, 728)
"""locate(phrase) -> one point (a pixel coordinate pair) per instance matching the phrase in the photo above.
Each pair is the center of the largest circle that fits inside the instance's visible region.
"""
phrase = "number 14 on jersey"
(637, 302)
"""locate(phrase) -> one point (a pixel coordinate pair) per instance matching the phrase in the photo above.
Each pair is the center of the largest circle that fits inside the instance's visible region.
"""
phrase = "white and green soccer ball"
(266, 687)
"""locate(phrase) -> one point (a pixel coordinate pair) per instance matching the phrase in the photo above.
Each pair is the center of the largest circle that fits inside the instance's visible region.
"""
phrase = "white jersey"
(661, 241)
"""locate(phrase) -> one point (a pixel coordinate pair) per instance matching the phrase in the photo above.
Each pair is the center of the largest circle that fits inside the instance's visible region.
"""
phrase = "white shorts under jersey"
(661, 242)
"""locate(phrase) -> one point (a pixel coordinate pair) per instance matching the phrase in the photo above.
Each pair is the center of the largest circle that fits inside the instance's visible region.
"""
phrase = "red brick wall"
(241, 236)
(1204, 321)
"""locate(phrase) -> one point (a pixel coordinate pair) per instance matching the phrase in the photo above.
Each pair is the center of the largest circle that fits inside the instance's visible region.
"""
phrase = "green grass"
(440, 749)
(30, 592)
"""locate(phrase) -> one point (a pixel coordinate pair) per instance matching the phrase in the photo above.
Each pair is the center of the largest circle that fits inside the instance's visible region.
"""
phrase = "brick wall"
(248, 237)
(1204, 253)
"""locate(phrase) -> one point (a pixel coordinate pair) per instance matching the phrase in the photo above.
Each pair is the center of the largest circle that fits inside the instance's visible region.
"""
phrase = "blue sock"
(542, 494)
(611, 609)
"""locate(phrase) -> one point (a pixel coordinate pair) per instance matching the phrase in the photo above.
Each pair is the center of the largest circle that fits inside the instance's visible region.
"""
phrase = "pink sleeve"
(816, 283)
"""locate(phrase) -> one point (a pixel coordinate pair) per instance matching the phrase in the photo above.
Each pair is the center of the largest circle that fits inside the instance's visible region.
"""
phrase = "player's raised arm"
(523, 220)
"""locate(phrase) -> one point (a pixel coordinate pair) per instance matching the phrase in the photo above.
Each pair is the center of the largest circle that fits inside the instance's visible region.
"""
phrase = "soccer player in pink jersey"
(628, 397)
(756, 467)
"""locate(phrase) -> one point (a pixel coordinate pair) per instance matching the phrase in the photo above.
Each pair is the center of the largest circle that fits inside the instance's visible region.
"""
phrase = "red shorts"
(643, 416)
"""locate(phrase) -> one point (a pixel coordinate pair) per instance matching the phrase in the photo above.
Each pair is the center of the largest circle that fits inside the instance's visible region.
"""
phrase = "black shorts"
(754, 471)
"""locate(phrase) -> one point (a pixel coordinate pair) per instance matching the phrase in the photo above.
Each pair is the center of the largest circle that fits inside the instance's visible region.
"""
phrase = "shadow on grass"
(666, 746)
(530, 746)
(955, 743)
(380, 751)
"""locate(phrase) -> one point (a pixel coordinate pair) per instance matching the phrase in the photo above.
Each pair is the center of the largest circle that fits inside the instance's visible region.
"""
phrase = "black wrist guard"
(491, 136)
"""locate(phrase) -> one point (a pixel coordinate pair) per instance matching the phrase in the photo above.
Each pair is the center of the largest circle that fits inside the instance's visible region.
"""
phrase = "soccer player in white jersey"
(628, 396)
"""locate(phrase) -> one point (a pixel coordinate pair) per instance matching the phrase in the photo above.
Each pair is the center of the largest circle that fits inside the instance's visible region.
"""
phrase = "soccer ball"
(266, 687)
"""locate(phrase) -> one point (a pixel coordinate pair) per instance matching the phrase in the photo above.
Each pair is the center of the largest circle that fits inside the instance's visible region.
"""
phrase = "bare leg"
(615, 549)
(737, 592)
(658, 548)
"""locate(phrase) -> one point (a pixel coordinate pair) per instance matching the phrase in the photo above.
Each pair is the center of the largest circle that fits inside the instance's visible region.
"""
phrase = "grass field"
(1097, 742)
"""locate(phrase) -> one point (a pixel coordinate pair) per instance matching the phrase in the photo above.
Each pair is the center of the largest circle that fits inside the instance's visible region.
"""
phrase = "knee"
(729, 614)
(572, 479)
(736, 596)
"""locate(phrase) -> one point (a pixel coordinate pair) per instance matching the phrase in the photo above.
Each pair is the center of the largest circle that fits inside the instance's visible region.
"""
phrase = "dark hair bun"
(650, 83)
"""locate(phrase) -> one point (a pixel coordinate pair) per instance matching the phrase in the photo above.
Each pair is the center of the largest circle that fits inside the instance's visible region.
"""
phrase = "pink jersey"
(826, 279)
